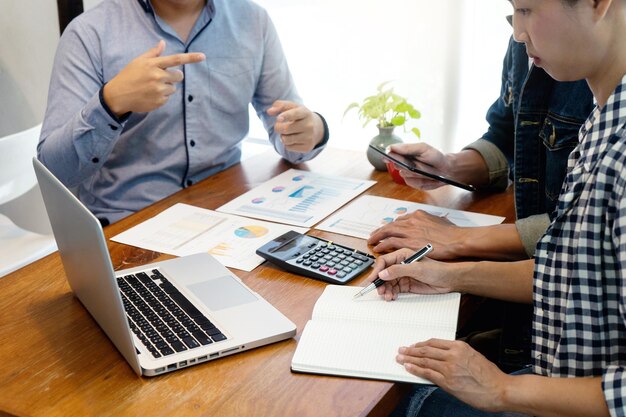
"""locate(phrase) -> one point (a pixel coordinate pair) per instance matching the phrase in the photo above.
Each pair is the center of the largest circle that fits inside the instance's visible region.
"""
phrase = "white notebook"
(360, 337)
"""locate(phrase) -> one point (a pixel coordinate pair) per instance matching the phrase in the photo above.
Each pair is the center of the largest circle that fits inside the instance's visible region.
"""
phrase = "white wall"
(29, 32)
(445, 56)
(88, 4)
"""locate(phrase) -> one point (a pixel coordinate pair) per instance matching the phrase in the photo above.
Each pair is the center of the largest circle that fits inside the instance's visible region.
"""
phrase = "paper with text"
(300, 198)
(367, 213)
(184, 230)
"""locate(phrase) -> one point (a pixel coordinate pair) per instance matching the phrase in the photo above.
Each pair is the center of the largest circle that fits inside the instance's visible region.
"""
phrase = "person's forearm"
(470, 167)
(508, 281)
(550, 396)
(499, 242)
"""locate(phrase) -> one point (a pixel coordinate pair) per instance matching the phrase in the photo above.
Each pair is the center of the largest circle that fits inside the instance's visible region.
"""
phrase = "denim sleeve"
(276, 83)
(496, 163)
(530, 230)
(500, 115)
(78, 133)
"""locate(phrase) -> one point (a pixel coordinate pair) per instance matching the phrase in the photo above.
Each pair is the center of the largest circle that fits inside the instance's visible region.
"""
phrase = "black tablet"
(409, 164)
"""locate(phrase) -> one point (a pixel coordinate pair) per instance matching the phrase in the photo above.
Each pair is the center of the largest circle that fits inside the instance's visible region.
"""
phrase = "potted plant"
(390, 110)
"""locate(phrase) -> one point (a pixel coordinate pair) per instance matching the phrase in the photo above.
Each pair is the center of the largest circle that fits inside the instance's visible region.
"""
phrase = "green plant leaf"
(417, 132)
(386, 108)
(415, 114)
(354, 105)
(398, 120)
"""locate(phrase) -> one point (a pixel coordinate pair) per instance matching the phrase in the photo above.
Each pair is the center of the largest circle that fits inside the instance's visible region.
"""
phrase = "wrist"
(110, 101)
(468, 166)
(509, 388)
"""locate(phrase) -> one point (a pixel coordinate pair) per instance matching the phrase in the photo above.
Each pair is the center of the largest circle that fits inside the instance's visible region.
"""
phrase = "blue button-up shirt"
(120, 166)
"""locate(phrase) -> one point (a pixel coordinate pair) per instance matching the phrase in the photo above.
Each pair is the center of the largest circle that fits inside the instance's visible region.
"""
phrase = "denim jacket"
(534, 125)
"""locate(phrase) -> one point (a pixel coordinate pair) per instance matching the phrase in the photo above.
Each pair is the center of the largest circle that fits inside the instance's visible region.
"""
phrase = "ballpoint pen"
(413, 258)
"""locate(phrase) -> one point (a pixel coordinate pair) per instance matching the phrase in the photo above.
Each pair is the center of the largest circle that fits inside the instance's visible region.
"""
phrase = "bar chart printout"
(299, 198)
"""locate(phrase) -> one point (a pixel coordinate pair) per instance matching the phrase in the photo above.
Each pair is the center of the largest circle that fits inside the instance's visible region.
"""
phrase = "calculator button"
(331, 263)
(360, 257)
(353, 266)
(299, 260)
(338, 250)
(332, 271)
(324, 268)
(341, 274)
(347, 270)
(315, 258)
(307, 263)
(316, 265)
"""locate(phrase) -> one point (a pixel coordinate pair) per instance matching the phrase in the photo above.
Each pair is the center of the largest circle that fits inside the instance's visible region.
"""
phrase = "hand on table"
(414, 230)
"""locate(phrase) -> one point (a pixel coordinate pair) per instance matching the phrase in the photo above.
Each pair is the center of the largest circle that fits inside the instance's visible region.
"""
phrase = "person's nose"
(519, 32)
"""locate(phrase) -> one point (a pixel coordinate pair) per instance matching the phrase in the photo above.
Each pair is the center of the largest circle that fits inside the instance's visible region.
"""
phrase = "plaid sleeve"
(614, 387)
(614, 376)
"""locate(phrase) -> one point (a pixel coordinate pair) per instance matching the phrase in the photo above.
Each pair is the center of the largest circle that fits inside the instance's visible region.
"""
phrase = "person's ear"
(601, 8)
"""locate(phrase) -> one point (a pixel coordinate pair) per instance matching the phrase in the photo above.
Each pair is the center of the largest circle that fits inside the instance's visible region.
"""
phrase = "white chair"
(25, 232)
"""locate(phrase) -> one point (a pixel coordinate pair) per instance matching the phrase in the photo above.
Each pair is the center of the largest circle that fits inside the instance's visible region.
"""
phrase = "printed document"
(184, 230)
(367, 213)
(300, 198)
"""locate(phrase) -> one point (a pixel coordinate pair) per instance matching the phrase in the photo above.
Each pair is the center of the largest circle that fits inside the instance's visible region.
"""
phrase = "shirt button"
(190, 98)
(95, 160)
(113, 127)
(189, 183)
(192, 142)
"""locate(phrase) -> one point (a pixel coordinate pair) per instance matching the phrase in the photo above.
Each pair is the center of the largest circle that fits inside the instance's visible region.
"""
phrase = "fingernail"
(280, 118)
(402, 350)
(383, 274)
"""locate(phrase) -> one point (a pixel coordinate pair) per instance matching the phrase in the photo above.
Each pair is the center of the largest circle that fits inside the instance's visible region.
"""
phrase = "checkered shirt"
(579, 327)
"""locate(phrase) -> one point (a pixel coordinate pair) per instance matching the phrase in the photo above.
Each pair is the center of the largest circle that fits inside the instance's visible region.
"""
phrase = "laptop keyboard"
(162, 317)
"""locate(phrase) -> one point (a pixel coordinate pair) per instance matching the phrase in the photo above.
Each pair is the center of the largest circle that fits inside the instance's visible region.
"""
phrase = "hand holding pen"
(413, 258)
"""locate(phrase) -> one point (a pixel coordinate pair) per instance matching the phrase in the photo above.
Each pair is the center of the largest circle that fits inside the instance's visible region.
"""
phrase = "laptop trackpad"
(222, 292)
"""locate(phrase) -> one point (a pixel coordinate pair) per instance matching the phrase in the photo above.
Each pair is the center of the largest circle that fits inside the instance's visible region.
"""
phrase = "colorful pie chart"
(251, 232)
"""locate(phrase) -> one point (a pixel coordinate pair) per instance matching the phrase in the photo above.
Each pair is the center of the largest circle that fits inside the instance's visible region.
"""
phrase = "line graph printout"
(368, 213)
(300, 198)
(184, 230)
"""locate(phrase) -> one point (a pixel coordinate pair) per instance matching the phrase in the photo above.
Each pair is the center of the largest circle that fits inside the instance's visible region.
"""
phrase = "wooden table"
(55, 360)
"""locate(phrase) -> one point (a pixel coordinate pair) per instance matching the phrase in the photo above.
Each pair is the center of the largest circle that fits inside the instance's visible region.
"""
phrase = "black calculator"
(315, 258)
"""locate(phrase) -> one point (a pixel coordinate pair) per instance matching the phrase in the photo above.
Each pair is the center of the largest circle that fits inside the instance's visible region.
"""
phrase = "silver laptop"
(163, 316)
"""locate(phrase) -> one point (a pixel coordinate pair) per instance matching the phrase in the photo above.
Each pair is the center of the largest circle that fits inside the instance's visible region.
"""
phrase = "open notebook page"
(360, 338)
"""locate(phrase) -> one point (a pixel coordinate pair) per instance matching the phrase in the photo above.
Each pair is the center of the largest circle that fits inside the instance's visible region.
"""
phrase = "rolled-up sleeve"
(78, 133)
